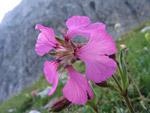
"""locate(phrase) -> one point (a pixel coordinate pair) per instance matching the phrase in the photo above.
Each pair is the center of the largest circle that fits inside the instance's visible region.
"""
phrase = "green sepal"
(60, 41)
(55, 53)
(51, 109)
(60, 66)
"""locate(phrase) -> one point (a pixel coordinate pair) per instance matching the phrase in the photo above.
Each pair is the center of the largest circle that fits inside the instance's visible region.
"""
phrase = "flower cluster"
(95, 54)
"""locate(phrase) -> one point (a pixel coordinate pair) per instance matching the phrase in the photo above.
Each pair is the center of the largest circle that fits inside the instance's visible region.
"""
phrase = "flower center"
(65, 52)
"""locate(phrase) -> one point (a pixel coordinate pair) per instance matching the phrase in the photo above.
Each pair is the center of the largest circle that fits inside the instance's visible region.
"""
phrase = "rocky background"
(20, 66)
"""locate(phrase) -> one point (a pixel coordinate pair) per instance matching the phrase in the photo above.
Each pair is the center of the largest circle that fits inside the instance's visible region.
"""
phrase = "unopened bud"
(123, 46)
(117, 26)
(33, 92)
(103, 84)
(147, 37)
(142, 13)
(60, 105)
(143, 104)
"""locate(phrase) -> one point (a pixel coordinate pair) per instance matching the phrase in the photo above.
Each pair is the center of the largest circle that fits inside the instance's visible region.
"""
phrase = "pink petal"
(98, 66)
(77, 87)
(86, 30)
(55, 83)
(51, 74)
(77, 21)
(46, 40)
(100, 43)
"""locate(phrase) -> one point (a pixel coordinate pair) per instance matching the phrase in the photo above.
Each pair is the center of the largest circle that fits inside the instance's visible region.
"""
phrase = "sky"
(7, 5)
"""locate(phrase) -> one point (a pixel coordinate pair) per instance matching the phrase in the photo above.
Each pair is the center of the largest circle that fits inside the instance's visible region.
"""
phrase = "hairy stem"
(128, 103)
(116, 81)
(124, 94)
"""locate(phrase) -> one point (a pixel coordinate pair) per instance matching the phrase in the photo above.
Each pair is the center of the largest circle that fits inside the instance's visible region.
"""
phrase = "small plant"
(103, 67)
(26, 105)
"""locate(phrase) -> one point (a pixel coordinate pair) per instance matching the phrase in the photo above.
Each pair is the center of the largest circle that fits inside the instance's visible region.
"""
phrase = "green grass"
(109, 101)
(138, 58)
(25, 101)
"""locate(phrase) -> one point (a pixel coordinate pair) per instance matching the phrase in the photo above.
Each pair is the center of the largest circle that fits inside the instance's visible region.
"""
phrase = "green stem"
(128, 103)
(122, 77)
(120, 70)
(117, 82)
(125, 96)
(76, 109)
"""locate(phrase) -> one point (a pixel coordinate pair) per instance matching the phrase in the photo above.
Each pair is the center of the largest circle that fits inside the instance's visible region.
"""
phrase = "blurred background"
(20, 66)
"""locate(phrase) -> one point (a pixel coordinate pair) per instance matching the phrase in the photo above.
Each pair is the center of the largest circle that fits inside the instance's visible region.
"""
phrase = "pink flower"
(95, 54)
(34, 92)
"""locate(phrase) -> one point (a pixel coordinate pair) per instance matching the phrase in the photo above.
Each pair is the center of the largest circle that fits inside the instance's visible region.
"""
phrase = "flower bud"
(123, 46)
(60, 105)
(117, 26)
(33, 92)
(147, 37)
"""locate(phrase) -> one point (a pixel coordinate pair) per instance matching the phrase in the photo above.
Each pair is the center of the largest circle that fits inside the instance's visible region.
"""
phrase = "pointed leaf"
(123, 71)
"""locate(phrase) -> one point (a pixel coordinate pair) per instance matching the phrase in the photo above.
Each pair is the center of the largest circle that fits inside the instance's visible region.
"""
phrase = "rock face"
(19, 63)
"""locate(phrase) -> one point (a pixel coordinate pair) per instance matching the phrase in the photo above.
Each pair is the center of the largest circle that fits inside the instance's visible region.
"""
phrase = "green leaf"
(123, 71)
(113, 87)
(92, 105)
(95, 97)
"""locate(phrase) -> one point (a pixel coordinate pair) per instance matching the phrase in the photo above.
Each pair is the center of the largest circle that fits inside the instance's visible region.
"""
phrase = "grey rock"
(34, 111)
(20, 66)
(11, 110)
(44, 92)
(147, 28)
(145, 48)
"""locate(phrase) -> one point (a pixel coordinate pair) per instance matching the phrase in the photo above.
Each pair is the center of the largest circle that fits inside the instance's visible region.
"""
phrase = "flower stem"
(124, 94)
(120, 70)
(117, 82)
(128, 103)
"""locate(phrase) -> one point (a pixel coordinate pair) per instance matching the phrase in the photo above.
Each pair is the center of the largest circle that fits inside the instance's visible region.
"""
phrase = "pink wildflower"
(34, 92)
(95, 54)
